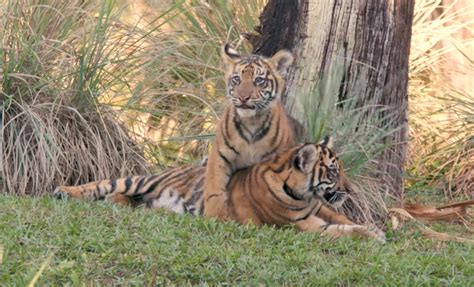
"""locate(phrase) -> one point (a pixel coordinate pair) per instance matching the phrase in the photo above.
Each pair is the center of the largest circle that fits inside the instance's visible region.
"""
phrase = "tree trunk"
(371, 34)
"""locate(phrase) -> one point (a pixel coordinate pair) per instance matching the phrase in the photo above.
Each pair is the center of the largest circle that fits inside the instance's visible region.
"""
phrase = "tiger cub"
(252, 126)
(286, 188)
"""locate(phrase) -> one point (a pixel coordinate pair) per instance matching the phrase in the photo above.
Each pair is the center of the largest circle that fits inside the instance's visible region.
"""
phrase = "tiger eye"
(236, 79)
(260, 81)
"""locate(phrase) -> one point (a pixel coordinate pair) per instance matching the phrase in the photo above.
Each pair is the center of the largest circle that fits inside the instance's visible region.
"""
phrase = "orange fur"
(253, 126)
(286, 188)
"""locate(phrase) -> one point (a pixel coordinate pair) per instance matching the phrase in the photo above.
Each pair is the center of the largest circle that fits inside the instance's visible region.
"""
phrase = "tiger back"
(253, 125)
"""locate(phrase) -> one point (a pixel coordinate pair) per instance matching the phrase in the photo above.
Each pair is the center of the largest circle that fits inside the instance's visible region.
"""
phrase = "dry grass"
(45, 145)
(57, 61)
(441, 102)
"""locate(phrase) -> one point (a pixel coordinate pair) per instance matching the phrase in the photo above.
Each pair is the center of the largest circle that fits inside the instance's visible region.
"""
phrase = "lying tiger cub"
(288, 188)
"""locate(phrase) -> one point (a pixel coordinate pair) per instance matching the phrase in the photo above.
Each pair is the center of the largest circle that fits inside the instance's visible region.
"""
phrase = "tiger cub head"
(333, 184)
(312, 170)
(253, 82)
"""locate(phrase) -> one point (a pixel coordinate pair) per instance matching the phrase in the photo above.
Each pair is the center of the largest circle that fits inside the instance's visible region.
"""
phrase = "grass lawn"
(97, 242)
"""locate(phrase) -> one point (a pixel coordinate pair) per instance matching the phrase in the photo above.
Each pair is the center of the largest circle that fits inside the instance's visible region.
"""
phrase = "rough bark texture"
(278, 27)
(372, 38)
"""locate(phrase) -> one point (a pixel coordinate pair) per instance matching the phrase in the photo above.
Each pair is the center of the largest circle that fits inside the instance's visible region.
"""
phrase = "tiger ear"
(328, 142)
(230, 55)
(305, 158)
(282, 60)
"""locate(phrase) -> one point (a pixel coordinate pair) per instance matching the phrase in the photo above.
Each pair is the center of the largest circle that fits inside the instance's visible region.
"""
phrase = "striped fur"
(287, 188)
(253, 125)
(177, 189)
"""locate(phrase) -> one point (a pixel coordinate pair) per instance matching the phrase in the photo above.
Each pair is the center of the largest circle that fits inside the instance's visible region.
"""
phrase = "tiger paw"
(376, 233)
(372, 232)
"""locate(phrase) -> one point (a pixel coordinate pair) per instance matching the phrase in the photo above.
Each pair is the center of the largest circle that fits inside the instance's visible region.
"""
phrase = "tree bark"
(371, 34)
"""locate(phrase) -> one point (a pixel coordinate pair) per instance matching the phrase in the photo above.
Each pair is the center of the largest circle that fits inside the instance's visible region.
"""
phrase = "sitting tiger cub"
(252, 126)
(287, 188)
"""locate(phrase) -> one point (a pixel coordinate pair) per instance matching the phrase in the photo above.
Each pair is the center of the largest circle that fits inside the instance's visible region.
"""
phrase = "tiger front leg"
(333, 217)
(315, 224)
(218, 172)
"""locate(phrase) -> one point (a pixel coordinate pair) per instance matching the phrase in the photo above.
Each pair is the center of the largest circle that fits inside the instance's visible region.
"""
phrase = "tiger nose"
(244, 99)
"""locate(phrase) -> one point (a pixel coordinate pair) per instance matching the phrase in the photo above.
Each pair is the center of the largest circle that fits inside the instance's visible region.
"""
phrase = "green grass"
(96, 242)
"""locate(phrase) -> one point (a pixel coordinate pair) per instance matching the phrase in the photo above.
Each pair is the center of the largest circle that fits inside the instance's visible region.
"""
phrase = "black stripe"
(229, 164)
(139, 185)
(113, 185)
(330, 153)
(326, 226)
(178, 199)
(201, 209)
(231, 206)
(268, 118)
(153, 177)
(325, 182)
(242, 62)
(277, 131)
(96, 193)
(171, 178)
(150, 201)
(263, 130)
(229, 202)
(200, 184)
(290, 192)
(287, 206)
(199, 200)
(311, 211)
(271, 152)
(276, 85)
(196, 192)
(319, 209)
(189, 178)
(267, 72)
(238, 127)
(196, 195)
(152, 187)
(128, 184)
(226, 134)
(260, 211)
(280, 216)
(213, 195)
(161, 175)
(311, 180)
(226, 142)
(269, 89)
(253, 202)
